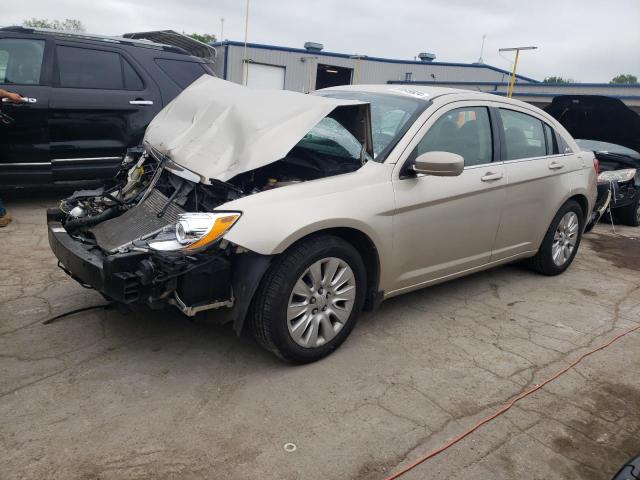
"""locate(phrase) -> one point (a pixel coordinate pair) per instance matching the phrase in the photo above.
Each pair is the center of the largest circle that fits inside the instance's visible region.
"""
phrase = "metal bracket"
(191, 311)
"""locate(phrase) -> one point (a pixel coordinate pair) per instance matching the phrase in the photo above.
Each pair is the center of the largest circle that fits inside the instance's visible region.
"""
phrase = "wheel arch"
(581, 200)
(357, 238)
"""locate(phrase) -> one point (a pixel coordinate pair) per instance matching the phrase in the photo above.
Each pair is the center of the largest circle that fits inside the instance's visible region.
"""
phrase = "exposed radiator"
(139, 222)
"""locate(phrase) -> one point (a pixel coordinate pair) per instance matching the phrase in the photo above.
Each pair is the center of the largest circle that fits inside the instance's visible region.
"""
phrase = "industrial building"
(311, 68)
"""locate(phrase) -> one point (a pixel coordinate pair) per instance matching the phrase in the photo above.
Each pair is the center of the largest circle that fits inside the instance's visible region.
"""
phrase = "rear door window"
(465, 131)
(132, 80)
(183, 73)
(88, 68)
(21, 61)
(523, 135)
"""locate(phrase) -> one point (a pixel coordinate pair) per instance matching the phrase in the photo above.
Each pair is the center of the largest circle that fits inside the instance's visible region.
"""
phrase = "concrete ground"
(153, 395)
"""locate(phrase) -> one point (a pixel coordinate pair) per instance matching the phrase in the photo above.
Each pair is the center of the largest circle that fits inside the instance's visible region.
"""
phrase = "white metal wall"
(301, 68)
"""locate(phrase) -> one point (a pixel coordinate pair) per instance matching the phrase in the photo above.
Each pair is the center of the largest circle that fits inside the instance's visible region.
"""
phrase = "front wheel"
(630, 215)
(309, 300)
(561, 242)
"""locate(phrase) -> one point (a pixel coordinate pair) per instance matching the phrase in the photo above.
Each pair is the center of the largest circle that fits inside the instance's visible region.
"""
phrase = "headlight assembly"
(617, 175)
(195, 231)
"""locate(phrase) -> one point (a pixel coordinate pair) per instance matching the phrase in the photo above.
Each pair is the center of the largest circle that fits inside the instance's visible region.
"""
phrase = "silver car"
(288, 214)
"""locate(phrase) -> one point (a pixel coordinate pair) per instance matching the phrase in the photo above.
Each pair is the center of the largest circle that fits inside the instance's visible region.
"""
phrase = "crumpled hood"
(220, 129)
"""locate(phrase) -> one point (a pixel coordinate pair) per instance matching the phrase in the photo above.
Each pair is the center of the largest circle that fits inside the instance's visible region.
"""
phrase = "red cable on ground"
(506, 407)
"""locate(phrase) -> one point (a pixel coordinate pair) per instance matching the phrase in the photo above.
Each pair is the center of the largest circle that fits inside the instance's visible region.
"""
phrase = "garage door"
(265, 76)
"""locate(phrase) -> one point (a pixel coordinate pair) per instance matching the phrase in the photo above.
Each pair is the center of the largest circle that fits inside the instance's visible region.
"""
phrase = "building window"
(407, 76)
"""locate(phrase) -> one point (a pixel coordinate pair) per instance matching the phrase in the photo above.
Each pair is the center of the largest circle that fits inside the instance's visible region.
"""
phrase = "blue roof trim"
(366, 57)
(537, 84)
(560, 94)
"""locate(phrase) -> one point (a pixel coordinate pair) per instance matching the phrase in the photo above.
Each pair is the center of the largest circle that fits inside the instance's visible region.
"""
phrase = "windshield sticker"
(409, 91)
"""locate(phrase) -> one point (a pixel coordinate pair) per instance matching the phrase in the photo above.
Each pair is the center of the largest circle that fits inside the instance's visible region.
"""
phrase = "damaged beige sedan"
(288, 214)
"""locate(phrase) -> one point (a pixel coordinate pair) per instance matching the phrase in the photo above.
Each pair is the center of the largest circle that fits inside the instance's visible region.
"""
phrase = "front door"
(447, 225)
(100, 106)
(24, 132)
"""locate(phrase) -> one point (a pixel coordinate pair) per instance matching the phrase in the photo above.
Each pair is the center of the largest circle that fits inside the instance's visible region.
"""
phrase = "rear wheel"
(309, 300)
(561, 242)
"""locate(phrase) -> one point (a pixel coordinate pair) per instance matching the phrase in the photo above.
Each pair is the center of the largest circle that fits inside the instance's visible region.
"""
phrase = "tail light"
(596, 165)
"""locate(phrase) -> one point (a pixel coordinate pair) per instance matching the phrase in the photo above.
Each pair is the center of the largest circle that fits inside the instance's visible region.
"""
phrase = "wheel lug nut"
(324, 308)
(315, 310)
(313, 300)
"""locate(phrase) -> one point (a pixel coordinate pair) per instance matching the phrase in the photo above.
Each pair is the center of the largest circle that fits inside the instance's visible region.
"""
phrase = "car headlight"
(617, 175)
(194, 231)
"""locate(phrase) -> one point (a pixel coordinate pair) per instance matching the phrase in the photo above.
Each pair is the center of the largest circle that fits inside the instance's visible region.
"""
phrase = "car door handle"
(24, 100)
(140, 102)
(491, 176)
(556, 166)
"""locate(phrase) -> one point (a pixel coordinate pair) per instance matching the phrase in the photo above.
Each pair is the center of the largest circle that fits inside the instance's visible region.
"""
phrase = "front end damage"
(121, 240)
(154, 235)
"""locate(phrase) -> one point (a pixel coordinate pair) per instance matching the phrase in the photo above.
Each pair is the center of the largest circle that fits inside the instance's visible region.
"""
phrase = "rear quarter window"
(183, 73)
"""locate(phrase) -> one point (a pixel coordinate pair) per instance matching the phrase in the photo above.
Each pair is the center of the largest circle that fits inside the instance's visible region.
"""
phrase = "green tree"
(68, 24)
(203, 37)
(624, 78)
(558, 80)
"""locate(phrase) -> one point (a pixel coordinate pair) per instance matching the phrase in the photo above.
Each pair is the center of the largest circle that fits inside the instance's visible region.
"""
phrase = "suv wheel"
(309, 300)
(561, 242)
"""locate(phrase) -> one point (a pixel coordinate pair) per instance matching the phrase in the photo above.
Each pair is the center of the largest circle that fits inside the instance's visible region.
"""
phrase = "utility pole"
(356, 71)
(512, 79)
(245, 61)
(480, 60)
(221, 29)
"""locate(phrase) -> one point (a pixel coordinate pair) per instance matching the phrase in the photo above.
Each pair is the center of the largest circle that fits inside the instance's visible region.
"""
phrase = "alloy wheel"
(565, 238)
(321, 302)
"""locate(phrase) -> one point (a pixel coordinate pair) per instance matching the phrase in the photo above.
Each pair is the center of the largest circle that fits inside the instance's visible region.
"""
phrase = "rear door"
(24, 132)
(538, 179)
(447, 225)
(101, 104)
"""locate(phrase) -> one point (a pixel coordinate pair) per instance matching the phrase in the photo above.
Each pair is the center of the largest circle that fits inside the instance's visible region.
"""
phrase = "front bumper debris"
(625, 193)
(192, 284)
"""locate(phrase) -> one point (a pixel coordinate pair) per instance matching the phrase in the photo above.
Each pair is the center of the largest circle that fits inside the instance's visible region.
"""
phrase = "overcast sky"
(586, 40)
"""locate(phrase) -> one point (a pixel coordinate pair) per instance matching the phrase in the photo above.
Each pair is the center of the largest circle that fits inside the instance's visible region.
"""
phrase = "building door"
(259, 75)
(331, 76)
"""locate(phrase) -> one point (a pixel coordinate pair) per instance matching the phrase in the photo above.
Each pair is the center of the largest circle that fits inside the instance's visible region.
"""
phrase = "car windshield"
(391, 116)
(598, 146)
(330, 138)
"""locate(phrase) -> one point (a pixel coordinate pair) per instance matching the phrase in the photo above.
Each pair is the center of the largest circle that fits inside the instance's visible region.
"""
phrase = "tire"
(543, 262)
(630, 215)
(309, 323)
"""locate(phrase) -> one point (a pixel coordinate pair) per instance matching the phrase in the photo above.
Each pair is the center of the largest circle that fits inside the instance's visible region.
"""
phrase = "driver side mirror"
(439, 164)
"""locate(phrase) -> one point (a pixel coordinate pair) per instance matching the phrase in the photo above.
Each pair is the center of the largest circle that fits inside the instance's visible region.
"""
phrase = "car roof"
(97, 38)
(423, 92)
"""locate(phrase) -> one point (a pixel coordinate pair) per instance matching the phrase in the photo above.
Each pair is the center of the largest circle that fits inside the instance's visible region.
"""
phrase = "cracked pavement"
(102, 395)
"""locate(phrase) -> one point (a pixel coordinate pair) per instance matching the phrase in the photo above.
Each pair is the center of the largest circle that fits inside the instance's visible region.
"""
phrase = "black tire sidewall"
(279, 332)
(547, 245)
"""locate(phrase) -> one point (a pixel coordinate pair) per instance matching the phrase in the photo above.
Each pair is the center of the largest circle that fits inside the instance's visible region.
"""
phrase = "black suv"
(88, 99)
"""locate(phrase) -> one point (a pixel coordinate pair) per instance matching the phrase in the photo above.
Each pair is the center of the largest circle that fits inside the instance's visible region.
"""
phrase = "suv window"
(21, 61)
(181, 72)
(523, 135)
(87, 68)
(132, 80)
(465, 131)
